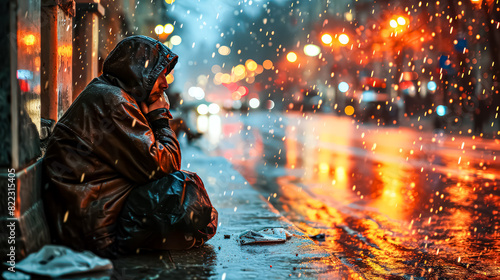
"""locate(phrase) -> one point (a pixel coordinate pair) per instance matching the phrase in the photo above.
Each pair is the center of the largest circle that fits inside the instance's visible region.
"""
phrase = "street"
(390, 201)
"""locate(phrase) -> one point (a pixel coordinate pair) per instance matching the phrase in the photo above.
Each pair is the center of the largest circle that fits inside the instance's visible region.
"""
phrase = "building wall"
(20, 186)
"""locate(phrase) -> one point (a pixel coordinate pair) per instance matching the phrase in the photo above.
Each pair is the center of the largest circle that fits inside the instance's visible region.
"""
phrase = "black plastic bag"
(172, 213)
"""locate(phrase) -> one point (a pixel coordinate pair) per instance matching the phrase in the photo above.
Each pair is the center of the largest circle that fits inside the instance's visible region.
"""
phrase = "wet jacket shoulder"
(104, 145)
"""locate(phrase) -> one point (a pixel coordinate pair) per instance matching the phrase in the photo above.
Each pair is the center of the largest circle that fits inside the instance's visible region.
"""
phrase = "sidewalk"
(240, 208)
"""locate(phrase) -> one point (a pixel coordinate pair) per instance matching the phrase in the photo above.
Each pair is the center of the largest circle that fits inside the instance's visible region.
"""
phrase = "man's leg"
(172, 213)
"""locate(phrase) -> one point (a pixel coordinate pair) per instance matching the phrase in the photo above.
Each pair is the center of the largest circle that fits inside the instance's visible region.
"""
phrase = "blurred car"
(375, 102)
(305, 100)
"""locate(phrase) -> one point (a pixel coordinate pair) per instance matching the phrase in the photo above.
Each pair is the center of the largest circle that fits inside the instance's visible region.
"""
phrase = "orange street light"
(343, 39)
(401, 20)
(326, 39)
(393, 23)
(159, 29)
(291, 57)
(29, 39)
(168, 28)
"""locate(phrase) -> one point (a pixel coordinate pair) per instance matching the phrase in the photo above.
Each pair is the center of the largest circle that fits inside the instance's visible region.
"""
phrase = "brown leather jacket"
(104, 145)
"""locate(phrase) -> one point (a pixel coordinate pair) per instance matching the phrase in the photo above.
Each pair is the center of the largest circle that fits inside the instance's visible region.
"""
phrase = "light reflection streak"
(411, 220)
(392, 193)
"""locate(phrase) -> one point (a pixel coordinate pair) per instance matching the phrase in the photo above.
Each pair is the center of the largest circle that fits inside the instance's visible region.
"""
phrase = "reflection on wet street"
(393, 203)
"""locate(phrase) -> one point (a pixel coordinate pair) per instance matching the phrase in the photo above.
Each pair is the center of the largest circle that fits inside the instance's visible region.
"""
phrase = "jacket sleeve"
(141, 148)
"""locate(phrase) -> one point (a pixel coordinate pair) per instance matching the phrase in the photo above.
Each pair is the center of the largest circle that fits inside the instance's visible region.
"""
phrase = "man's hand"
(161, 102)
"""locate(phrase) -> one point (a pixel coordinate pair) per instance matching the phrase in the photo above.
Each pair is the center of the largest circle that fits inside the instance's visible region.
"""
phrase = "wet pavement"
(393, 202)
(240, 208)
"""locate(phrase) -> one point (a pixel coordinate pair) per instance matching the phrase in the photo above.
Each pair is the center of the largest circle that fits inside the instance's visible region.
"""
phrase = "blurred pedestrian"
(182, 121)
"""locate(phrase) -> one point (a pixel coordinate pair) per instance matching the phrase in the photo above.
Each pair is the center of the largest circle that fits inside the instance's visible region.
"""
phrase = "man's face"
(158, 88)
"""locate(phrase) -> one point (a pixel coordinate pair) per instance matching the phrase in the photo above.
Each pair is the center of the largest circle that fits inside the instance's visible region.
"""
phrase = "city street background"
(371, 126)
(389, 201)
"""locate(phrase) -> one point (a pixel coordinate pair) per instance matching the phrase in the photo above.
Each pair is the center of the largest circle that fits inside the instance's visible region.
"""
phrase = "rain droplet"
(66, 216)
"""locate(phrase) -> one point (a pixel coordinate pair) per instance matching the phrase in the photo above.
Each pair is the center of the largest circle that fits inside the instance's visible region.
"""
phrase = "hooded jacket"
(104, 145)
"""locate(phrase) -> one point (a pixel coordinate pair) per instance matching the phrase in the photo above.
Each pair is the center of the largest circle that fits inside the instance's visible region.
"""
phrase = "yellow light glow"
(216, 69)
(170, 78)
(168, 28)
(65, 50)
(401, 21)
(169, 1)
(268, 64)
(324, 167)
(343, 39)
(311, 50)
(291, 56)
(236, 95)
(393, 23)
(176, 40)
(326, 39)
(340, 174)
(226, 78)
(224, 50)
(348, 16)
(239, 70)
(29, 40)
(251, 65)
(349, 110)
(159, 29)
(259, 69)
(218, 78)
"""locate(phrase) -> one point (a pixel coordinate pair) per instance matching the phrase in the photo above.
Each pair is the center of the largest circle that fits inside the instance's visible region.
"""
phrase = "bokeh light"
(251, 65)
(202, 109)
(196, 92)
(170, 78)
(259, 69)
(311, 50)
(432, 86)
(29, 39)
(224, 50)
(268, 64)
(226, 78)
(176, 40)
(168, 28)
(239, 70)
(159, 29)
(213, 109)
(343, 39)
(393, 23)
(401, 21)
(343, 86)
(216, 69)
(269, 104)
(291, 56)
(349, 110)
(326, 39)
(254, 103)
(441, 110)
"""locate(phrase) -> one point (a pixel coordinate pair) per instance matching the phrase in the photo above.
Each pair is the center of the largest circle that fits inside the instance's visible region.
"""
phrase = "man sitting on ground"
(112, 164)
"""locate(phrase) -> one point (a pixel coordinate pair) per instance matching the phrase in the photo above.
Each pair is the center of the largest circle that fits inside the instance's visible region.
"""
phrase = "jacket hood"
(135, 64)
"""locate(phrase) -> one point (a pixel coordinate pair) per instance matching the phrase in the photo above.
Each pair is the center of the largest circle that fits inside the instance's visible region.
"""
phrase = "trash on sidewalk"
(268, 235)
(55, 261)
(319, 237)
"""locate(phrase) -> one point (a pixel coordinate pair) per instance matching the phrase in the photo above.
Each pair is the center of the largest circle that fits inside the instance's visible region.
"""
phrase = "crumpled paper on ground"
(55, 261)
(268, 235)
